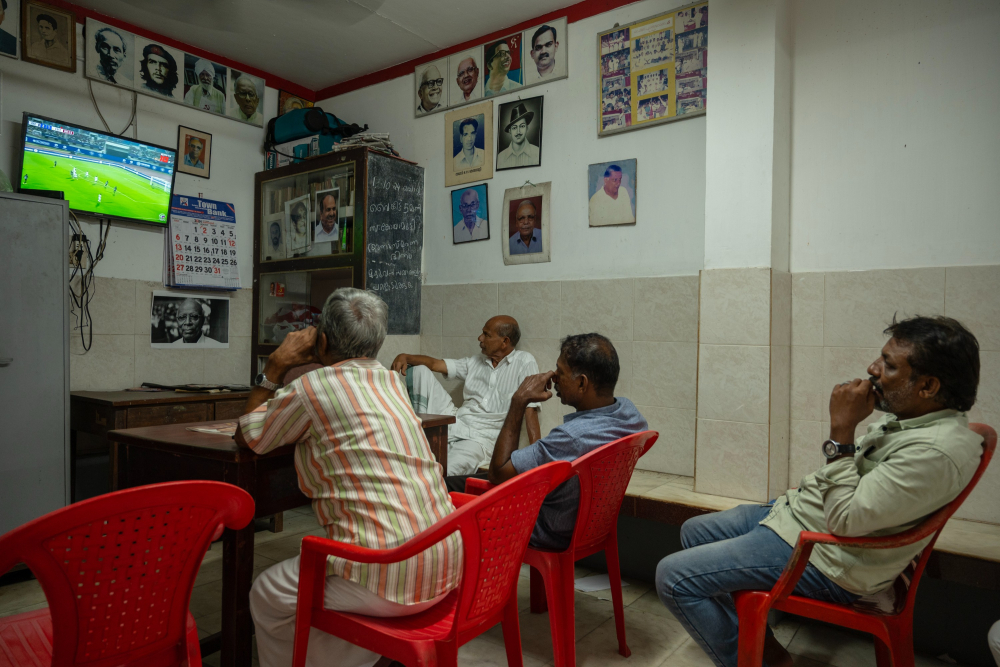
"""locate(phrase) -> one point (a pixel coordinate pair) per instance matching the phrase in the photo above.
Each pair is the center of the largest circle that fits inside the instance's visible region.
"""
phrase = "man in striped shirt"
(361, 455)
(490, 379)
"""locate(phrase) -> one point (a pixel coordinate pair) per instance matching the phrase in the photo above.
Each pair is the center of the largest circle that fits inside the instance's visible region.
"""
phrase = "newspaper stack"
(377, 141)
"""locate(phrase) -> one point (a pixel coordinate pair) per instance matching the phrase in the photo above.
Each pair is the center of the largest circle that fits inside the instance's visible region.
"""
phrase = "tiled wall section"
(653, 323)
(837, 323)
(121, 355)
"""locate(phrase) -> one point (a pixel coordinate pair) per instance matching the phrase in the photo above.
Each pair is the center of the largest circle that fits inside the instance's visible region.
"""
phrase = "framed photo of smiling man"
(431, 87)
(525, 220)
(468, 144)
(519, 134)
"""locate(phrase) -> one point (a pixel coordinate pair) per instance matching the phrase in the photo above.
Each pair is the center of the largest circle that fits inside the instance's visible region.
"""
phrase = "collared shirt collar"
(607, 409)
(892, 423)
(520, 239)
(357, 362)
(524, 148)
(505, 360)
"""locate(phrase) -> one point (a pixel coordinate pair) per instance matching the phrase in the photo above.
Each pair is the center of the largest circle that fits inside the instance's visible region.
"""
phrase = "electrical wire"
(80, 306)
(132, 119)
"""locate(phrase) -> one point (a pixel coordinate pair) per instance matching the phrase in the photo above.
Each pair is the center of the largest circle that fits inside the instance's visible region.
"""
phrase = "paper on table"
(595, 582)
(228, 428)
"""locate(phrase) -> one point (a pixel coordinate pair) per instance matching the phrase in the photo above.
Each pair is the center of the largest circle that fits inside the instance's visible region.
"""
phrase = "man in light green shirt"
(912, 461)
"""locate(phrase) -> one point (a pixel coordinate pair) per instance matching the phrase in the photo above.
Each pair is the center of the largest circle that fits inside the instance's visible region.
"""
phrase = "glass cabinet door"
(308, 215)
(293, 300)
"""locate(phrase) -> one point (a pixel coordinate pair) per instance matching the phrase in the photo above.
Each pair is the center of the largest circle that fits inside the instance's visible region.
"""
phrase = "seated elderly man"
(918, 457)
(490, 380)
(361, 455)
(585, 378)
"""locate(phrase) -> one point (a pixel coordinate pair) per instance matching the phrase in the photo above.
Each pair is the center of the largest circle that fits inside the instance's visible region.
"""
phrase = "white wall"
(895, 134)
(136, 251)
(669, 237)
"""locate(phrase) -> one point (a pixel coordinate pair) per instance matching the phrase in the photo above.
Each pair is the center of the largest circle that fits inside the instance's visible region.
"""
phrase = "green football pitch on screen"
(134, 198)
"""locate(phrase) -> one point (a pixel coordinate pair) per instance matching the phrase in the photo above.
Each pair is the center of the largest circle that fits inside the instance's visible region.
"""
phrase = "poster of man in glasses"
(245, 98)
(432, 94)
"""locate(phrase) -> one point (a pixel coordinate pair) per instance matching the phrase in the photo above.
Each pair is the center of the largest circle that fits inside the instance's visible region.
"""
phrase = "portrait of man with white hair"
(188, 321)
(246, 97)
(201, 84)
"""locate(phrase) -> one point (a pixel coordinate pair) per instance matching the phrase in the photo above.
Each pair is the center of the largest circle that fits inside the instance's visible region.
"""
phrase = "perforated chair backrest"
(604, 475)
(117, 570)
(495, 529)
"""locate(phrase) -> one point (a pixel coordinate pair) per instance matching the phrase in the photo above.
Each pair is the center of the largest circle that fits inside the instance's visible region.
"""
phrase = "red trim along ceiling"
(573, 13)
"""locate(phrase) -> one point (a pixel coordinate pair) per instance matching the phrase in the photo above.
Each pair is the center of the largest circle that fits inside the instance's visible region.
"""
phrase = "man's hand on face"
(298, 349)
(400, 363)
(535, 388)
(850, 404)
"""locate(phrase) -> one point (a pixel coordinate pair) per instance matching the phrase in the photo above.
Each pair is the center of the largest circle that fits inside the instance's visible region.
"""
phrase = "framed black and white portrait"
(10, 13)
(159, 69)
(110, 54)
(470, 214)
(48, 36)
(246, 95)
(298, 235)
(519, 134)
(195, 152)
(180, 321)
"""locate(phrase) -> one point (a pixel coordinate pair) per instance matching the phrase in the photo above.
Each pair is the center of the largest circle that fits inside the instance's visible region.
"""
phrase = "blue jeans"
(725, 552)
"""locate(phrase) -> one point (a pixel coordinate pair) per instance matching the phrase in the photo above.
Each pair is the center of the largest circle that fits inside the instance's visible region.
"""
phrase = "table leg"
(237, 576)
(437, 438)
(277, 522)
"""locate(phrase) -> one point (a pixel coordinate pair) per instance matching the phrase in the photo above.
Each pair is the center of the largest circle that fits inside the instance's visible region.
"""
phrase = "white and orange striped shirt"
(364, 460)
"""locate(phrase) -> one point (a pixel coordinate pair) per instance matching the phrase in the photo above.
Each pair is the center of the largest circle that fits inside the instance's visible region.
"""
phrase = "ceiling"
(319, 43)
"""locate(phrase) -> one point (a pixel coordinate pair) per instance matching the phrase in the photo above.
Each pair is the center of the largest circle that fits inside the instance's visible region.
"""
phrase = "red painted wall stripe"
(581, 10)
(270, 79)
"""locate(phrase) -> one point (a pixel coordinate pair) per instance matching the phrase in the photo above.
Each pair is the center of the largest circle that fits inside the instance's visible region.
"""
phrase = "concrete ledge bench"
(968, 552)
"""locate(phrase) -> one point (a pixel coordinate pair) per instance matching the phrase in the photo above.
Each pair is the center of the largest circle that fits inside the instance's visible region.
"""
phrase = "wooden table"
(94, 413)
(153, 454)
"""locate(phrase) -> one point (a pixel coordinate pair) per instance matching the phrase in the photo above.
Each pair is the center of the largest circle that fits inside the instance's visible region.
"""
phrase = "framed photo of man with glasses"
(431, 89)
(470, 214)
(246, 98)
(503, 65)
(465, 73)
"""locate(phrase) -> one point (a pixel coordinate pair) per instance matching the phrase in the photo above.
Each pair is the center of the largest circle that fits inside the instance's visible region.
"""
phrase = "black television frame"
(100, 216)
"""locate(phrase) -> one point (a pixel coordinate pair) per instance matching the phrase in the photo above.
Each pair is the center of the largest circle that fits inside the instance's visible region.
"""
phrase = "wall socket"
(77, 249)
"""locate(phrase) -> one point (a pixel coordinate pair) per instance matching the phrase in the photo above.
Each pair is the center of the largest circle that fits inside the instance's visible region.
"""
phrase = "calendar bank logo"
(184, 201)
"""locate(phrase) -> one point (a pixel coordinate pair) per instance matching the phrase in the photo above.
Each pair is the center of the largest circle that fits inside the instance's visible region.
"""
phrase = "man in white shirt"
(327, 229)
(472, 227)
(543, 50)
(430, 90)
(610, 205)
(468, 157)
(498, 61)
(520, 152)
(491, 378)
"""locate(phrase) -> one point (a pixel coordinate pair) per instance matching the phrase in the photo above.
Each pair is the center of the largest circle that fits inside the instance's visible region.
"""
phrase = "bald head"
(499, 337)
(505, 326)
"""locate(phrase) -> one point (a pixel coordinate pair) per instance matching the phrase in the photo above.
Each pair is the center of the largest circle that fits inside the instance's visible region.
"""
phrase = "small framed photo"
(327, 228)
(158, 69)
(298, 238)
(468, 144)
(181, 321)
(470, 214)
(519, 134)
(504, 65)
(431, 89)
(288, 102)
(526, 214)
(48, 36)
(10, 25)
(465, 70)
(611, 189)
(205, 84)
(246, 95)
(110, 55)
(196, 148)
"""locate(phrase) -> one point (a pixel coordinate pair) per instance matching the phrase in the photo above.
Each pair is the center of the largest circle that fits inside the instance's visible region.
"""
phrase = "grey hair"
(355, 323)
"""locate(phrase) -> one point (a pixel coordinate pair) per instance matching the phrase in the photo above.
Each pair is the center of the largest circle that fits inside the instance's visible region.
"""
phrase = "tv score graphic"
(201, 250)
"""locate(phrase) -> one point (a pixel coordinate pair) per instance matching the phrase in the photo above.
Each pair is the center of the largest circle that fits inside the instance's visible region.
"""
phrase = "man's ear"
(930, 386)
(321, 344)
(583, 383)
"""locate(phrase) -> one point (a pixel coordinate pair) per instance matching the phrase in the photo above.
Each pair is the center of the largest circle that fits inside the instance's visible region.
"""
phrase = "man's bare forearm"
(531, 422)
(436, 365)
(501, 469)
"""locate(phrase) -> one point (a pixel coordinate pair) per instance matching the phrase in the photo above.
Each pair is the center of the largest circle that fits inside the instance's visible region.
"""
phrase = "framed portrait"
(10, 26)
(503, 62)
(196, 148)
(465, 76)
(470, 214)
(298, 235)
(181, 321)
(519, 134)
(326, 231)
(273, 237)
(430, 89)
(109, 56)
(468, 144)
(288, 102)
(158, 69)
(611, 190)
(526, 223)
(205, 84)
(48, 36)
(246, 95)
(546, 50)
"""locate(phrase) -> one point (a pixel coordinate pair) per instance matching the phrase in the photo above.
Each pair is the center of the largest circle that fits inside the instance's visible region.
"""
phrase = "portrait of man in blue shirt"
(528, 238)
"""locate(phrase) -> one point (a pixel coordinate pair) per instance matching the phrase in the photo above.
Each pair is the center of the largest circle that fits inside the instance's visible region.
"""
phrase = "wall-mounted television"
(100, 174)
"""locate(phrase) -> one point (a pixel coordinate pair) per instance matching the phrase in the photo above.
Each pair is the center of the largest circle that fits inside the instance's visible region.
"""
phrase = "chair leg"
(537, 592)
(615, 577)
(562, 615)
(883, 654)
(512, 634)
(899, 649)
(752, 608)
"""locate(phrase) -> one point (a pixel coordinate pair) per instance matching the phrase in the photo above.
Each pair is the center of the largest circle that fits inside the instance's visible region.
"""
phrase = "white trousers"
(994, 639)
(464, 456)
(272, 605)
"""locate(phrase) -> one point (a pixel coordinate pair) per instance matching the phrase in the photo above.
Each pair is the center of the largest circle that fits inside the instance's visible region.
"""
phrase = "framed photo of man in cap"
(519, 134)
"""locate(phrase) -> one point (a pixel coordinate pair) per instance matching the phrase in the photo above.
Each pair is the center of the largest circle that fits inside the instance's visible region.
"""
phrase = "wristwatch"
(262, 381)
(832, 449)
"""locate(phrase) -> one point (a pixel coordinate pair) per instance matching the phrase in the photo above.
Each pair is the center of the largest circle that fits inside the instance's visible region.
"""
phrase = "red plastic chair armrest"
(477, 487)
(460, 499)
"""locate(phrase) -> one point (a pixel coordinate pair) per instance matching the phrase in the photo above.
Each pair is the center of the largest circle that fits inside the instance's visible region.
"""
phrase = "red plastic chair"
(495, 529)
(893, 630)
(117, 571)
(604, 475)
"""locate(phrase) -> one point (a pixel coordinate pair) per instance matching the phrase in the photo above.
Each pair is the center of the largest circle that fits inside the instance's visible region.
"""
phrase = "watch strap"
(262, 381)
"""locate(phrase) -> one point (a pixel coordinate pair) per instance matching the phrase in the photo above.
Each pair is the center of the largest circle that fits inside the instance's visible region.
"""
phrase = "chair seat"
(26, 639)
(433, 624)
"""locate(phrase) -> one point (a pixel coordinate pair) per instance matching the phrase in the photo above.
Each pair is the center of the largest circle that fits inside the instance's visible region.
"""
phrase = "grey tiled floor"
(654, 636)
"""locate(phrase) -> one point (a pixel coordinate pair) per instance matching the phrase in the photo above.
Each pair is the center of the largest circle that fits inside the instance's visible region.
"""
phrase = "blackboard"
(395, 240)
